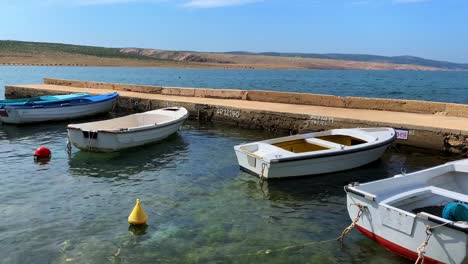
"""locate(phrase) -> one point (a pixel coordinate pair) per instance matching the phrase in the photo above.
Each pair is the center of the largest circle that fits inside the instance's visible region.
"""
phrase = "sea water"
(201, 207)
(445, 86)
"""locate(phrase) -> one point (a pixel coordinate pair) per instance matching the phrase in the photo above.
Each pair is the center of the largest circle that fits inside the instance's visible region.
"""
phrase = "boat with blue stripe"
(60, 110)
(45, 99)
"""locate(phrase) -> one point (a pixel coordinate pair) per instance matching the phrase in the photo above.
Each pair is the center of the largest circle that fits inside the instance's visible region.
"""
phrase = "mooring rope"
(262, 172)
(340, 238)
(114, 105)
(422, 248)
(148, 105)
(269, 251)
(69, 146)
(353, 223)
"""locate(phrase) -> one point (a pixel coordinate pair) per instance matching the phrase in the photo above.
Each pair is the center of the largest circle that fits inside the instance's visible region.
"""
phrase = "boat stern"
(94, 141)
(255, 158)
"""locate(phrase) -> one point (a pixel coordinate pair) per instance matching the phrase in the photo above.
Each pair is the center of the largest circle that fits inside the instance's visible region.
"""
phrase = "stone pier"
(432, 125)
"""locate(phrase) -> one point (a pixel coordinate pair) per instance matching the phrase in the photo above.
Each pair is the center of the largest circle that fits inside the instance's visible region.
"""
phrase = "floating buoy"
(42, 153)
(137, 216)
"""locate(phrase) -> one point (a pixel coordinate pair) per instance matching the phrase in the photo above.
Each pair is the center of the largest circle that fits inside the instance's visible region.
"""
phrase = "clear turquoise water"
(201, 207)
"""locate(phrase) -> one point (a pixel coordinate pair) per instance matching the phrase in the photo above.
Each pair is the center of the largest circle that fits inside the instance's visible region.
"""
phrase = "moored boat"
(61, 110)
(45, 99)
(128, 131)
(405, 212)
(314, 153)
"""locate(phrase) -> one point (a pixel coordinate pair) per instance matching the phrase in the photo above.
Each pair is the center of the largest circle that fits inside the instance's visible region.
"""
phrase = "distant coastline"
(78, 61)
(19, 53)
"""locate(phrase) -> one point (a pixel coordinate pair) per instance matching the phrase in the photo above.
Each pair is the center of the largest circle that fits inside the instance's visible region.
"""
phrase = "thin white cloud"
(216, 3)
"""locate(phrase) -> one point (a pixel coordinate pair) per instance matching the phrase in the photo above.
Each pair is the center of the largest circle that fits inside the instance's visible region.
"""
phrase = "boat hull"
(15, 115)
(103, 141)
(446, 245)
(308, 166)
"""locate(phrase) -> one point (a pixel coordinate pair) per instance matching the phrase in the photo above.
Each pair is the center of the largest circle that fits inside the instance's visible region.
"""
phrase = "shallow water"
(201, 207)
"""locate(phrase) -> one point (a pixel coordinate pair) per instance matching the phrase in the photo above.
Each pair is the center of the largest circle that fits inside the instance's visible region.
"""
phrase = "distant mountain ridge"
(405, 59)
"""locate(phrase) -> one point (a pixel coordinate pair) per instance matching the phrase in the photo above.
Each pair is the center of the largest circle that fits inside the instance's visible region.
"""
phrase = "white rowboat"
(128, 131)
(397, 211)
(314, 153)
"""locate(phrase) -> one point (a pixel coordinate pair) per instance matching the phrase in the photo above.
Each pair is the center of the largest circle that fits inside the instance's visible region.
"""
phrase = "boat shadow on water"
(55, 129)
(28, 131)
(318, 186)
(128, 162)
(394, 161)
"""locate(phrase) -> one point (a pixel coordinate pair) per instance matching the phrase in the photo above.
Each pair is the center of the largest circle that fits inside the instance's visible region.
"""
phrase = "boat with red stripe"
(421, 215)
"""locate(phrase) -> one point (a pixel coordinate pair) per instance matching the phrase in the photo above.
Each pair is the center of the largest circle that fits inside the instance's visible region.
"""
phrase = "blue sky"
(435, 29)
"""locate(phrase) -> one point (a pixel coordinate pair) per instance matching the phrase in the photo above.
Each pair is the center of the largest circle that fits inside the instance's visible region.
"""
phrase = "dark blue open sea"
(201, 207)
(445, 86)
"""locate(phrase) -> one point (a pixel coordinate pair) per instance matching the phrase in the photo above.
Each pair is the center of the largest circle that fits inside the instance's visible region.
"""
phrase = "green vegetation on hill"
(10, 46)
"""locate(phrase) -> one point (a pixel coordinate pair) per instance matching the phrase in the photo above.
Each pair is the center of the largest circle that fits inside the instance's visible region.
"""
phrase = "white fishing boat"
(314, 153)
(403, 212)
(58, 110)
(128, 131)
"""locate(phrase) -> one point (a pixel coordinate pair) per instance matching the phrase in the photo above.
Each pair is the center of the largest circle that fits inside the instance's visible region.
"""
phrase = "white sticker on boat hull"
(395, 219)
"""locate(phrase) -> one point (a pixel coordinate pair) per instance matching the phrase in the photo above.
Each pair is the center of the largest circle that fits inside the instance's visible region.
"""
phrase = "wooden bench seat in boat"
(324, 143)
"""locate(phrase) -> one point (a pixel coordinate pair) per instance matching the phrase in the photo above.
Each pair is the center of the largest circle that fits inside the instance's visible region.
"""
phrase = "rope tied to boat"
(262, 177)
(354, 222)
(422, 248)
(69, 146)
(148, 105)
(91, 134)
(264, 252)
(263, 170)
(114, 104)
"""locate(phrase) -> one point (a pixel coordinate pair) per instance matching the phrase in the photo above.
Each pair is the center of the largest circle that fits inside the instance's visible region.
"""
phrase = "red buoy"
(42, 153)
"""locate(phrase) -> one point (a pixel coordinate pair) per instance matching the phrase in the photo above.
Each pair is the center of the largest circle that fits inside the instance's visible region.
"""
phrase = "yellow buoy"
(137, 216)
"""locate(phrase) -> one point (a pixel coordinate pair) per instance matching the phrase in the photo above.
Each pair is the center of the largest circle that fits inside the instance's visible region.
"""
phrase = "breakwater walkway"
(433, 125)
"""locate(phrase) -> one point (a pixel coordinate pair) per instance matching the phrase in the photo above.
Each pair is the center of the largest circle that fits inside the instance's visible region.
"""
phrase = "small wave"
(394, 93)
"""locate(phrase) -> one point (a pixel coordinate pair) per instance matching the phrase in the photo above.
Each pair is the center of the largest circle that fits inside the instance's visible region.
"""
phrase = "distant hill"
(10, 46)
(367, 58)
(55, 54)
(40, 53)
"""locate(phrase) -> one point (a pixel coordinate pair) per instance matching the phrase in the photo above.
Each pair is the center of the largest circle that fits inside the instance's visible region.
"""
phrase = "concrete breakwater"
(433, 125)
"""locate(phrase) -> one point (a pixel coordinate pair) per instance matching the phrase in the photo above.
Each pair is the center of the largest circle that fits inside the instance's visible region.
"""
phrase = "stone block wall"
(397, 105)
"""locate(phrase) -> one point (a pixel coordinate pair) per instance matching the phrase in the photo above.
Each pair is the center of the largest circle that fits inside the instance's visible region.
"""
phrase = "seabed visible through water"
(201, 207)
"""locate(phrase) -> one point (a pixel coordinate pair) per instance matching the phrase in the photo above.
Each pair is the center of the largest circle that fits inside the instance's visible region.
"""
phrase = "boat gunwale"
(111, 96)
(445, 222)
(423, 216)
(38, 100)
(357, 148)
(368, 196)
(133, 129)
